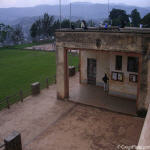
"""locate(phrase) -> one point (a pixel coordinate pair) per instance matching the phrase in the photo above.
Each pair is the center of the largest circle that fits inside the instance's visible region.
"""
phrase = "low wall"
(123, 41)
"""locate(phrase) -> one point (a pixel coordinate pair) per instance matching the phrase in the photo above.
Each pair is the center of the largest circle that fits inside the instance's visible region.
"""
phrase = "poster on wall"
(114, 76)
(120, 76)
(133, 78)
(117, 76)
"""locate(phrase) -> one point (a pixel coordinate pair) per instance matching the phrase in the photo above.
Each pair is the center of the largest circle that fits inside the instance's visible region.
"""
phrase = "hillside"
(27, 15)
(79, 10)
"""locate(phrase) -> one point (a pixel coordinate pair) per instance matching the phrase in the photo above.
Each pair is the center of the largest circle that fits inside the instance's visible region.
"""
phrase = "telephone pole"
(108, 12)
(70, 14)
(108, 8)
(60, 12)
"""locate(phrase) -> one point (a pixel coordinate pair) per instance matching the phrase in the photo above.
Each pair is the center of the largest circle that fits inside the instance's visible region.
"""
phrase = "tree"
(56, 25)
(136, 18)
(106, 21)
(146, 20)
(119, 17)
(78, 24)
(91, 23)
(39, 27)
(65, 23)
(36, 29)
(47, 25)
(5, 32)
(17, 35)
(43, 27)
(33, 30)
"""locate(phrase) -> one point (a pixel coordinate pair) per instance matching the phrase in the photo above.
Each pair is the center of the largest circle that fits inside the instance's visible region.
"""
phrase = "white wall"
(106, 64)
(84, 56)
(126, 87)
(103, 61)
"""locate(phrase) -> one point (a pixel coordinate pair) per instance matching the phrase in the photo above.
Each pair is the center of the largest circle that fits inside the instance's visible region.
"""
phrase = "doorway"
(83, 89)
(91, 71)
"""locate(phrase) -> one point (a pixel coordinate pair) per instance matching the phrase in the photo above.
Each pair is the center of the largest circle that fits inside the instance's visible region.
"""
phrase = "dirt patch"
(32, 116)
(44, 47)
(46, 123)
(87, 128)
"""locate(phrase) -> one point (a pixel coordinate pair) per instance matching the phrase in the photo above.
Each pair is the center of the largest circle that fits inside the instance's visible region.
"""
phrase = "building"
(122, 54)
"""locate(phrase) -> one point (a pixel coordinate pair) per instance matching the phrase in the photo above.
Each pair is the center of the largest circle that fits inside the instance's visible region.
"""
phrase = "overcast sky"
(27, 3)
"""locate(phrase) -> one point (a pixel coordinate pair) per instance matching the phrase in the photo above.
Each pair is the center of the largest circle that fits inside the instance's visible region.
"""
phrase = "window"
(133, 64)
(118, 62)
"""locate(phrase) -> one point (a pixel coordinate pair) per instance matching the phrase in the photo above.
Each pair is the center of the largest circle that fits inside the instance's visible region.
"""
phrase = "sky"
(29, 3)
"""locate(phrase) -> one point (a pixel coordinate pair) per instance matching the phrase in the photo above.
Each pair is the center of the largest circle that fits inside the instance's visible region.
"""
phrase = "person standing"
(141, 26)
(105, 80)
(83, 25)
(106, 26)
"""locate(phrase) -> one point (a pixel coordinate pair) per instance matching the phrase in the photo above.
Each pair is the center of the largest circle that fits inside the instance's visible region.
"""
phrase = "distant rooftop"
(109, 29)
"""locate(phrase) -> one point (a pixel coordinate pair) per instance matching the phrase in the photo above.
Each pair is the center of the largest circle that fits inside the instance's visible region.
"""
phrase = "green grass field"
(19, 68)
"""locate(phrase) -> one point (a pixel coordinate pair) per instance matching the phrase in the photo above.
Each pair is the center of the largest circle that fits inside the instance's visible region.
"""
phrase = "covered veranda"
(95, 96)
(124, 42)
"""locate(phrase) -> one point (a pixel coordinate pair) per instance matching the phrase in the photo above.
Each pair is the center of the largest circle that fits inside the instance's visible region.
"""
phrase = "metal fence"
(22, 94)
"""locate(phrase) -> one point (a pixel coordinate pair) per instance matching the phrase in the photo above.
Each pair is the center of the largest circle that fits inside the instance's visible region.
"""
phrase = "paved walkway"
(48, 124)
(87, 128)
(43, 47)
(33, 116)
(95, 96)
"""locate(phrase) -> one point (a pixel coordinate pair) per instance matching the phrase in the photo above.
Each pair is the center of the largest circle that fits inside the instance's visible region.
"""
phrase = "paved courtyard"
(95, 96)
(48, 124)
(87, 128)
(43, 47)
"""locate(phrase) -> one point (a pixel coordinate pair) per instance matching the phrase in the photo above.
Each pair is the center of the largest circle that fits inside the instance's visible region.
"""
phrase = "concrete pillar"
(147, 101)
(144, 90)
(144, 93)
(144, 140)
(62, 73)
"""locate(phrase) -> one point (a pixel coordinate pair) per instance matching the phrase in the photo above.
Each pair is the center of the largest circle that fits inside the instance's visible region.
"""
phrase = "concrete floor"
(33, 116)
(88, 128)
(95, 96)
(46, 123)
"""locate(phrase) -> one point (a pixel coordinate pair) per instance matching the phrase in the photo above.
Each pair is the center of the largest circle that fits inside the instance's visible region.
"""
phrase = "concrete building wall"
(61, 73)
(102, 65)
(147, 101)
(103, 62)
(136, 42)
(83, 67)
(144, 140)
(126, 42)
(106, 64)
(125, 88)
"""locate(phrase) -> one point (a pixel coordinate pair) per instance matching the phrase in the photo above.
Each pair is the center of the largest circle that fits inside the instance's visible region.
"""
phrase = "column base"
(141, 112)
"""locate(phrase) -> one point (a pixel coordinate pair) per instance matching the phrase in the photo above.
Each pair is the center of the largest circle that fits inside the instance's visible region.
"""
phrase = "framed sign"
(133, 78)
(114, 76)
(120, 76)
(117, 76)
